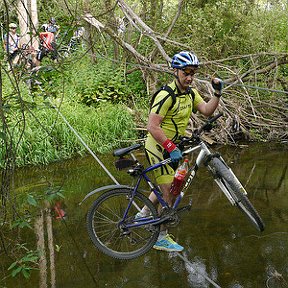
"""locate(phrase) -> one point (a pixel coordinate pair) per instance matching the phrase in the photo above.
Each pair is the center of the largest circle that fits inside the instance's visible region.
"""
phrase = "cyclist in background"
(77, 37)
(48, 40)
(51, 27)
(166, 122)
(11, 43)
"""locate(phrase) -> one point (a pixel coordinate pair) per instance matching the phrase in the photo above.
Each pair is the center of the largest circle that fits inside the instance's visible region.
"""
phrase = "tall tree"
(34, 23)
(28, 22)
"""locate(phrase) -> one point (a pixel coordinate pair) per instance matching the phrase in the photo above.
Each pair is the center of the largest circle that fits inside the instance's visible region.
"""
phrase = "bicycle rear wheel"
(220, 169)
(111, 237)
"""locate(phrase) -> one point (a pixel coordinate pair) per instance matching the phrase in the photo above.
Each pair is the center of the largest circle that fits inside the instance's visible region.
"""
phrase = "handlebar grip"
(211, 120)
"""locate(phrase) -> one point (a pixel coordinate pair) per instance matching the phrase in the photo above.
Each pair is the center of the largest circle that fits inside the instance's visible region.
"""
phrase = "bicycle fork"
(223, 187)
(225, 191)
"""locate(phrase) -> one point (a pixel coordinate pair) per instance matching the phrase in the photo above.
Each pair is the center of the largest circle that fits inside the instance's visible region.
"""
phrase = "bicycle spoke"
(106, 225)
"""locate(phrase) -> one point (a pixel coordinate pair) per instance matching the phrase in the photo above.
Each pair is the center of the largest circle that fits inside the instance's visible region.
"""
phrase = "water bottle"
(179, 178)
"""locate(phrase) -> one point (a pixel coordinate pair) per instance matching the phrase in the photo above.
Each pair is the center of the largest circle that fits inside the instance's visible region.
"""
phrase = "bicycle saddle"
(124, 151)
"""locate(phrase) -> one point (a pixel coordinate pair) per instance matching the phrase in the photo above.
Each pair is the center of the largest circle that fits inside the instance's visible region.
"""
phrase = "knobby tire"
(236, 190)
(103, 221)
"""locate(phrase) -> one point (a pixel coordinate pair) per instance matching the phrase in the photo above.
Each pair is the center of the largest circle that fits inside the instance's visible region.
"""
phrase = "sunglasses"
(189, 71)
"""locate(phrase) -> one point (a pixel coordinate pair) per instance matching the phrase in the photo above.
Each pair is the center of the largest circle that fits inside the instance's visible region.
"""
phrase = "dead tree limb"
(139, 57)
(177, 15)
(258, 70)
(146, 29)
(245, 112)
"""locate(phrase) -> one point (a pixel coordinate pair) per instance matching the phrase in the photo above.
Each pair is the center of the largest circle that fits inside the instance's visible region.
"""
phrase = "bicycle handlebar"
(183, 141)
(196, 133)
(195, 136)
(207, 125)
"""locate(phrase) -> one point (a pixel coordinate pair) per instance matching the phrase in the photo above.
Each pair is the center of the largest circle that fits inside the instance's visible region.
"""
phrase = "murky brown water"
(219, 241)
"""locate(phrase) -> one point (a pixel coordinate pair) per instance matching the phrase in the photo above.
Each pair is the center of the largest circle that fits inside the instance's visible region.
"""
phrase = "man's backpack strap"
(172, 94)
(191, 91)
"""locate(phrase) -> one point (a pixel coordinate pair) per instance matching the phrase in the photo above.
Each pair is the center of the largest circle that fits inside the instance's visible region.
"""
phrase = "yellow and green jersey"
(176, 114)
(175, 117)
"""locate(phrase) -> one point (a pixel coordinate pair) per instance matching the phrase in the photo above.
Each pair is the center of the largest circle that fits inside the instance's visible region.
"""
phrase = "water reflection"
(42, 223)
(219, 241)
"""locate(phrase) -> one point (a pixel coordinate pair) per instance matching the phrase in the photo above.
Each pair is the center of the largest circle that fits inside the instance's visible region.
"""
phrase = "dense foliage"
(101, 73)
(44, 137)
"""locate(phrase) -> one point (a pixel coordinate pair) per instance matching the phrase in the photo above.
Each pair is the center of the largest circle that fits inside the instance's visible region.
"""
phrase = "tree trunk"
(23, 17)
(39, 230)
(34, 24)
(113, 24)
(28, 22)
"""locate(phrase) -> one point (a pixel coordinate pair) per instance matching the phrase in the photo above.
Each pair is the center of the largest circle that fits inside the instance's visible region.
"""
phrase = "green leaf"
(57, 248)
(16, 271)
(31, 200)
(26, 273)
(13, 265)
(60, 195)
(21, 223)
(30, 258)
(2, 135)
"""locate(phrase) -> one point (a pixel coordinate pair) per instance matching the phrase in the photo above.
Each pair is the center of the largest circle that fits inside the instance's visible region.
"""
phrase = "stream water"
(219, 241)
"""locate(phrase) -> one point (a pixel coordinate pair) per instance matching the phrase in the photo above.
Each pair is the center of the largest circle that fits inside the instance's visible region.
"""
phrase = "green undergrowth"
(45, 137)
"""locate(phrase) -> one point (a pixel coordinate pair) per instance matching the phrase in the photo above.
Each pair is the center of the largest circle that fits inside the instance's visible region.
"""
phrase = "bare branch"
(147, 30)
(180, 4)
(139, 57)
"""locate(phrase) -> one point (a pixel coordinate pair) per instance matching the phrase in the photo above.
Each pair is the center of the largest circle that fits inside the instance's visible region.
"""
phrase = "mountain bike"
(111, 221)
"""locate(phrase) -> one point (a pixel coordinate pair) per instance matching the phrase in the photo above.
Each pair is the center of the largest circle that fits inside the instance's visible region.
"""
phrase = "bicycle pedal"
(185, 208)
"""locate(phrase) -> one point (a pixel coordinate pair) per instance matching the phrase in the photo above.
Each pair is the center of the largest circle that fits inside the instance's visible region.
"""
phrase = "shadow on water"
(219, 241)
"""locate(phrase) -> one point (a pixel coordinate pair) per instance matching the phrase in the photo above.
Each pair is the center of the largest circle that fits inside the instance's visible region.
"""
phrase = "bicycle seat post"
(133, 157)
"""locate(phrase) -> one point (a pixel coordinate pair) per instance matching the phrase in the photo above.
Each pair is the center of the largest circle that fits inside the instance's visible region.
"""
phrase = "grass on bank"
(46, 137)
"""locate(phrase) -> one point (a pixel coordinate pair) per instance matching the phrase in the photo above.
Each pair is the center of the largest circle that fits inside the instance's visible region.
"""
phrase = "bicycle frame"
(203, 154)
(163, 203)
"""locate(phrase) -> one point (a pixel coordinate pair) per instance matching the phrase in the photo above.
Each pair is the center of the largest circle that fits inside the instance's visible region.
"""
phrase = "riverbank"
(44, 137)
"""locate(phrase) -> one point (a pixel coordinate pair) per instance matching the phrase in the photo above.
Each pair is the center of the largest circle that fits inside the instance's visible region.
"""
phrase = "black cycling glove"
(217, 85)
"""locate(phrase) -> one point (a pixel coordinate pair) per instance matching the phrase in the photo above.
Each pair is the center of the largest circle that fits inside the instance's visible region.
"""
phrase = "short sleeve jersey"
(176, 118)
(12, 41)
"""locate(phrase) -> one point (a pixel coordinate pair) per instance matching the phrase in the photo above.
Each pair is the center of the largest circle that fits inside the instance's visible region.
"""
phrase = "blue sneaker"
(168, 244)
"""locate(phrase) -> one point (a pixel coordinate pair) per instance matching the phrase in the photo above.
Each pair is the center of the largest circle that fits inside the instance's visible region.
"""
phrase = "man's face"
(185, 76)
(13, 29)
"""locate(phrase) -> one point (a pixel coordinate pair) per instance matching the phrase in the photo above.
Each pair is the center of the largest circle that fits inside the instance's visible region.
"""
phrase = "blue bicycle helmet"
(183, 59)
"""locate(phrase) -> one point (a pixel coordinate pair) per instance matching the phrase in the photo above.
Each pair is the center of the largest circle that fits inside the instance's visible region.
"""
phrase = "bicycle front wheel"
(107, 230)
(222, 172)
